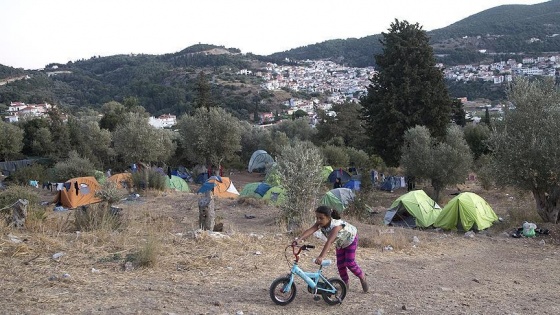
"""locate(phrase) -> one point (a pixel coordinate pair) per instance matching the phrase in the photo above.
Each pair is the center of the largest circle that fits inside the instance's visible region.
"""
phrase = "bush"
(23, 175)
(147, 255)
(149, 179)
(74, 166)
(359, 158)
(110, 192)
(98, 216)
(14, 192)
(335, 156)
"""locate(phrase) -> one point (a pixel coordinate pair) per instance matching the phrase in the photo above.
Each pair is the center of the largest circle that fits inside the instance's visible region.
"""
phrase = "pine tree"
(407, 90)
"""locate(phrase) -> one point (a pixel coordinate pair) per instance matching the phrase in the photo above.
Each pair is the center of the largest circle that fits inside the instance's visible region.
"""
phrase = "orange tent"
(78, 191)
(223, 188)
(124, 180)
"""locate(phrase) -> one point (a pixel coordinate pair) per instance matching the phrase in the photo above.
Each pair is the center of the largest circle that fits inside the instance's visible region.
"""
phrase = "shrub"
(74, 166)
(149, 179)
(300, 166)
(335, 156)
(147, 255)
(98, 216)
(14, 192)
(23, 175)
(110, 192)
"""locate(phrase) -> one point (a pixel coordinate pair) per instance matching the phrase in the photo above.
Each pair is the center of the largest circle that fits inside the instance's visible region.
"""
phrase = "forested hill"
(529, 29)
(161, 83)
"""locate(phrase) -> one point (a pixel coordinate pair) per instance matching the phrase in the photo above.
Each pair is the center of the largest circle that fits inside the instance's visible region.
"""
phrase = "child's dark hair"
(331, 213)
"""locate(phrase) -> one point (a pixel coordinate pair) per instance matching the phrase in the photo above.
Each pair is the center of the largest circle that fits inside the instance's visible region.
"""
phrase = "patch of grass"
(98, 216)
(147, 255)
(395, 237)
(14, 192)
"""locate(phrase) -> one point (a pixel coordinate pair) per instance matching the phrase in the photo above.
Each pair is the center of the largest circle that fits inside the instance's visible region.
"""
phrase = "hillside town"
(339, 83)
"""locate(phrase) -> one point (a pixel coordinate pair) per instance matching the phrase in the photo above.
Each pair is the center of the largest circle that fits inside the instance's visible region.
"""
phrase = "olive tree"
(136, 140)
(299, 166)
(11, 140)
(443, 163)
(526, 145)
(210, 136)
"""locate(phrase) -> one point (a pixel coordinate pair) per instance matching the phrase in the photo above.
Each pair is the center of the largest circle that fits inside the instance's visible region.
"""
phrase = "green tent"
(338, 198)
(177, 183)
(327, 170)
(413, 209)
(276, 195)
(249, 190)
(467, 211)
(100, 176)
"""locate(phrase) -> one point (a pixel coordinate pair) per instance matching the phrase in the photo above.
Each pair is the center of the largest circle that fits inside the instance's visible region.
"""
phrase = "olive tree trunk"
(548, 205)
(206, 212)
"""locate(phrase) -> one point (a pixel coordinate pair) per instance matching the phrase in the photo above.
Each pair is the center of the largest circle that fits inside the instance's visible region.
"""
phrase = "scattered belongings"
(529, 229)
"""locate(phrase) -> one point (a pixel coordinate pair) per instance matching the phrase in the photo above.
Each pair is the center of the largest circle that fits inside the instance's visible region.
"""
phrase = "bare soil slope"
(445, 273)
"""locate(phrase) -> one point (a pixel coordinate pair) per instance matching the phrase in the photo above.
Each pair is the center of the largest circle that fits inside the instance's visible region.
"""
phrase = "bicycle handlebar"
(296, 253)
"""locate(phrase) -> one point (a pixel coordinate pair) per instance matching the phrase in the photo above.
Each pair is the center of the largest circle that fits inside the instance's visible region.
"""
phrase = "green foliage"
(9, 72)
(477, 138)
(91, 142)
(23, 175)
(110, 192)
(335, 156)
(443, 163)
(407, 91)
(358, 158)
(96, 217)
(296, 129)
(526, 146)
(149, 179)
(346, 126)
(11, 141)
(74, 166)
(136, 140)
(210, 136)
(300, 166)
(11, 194)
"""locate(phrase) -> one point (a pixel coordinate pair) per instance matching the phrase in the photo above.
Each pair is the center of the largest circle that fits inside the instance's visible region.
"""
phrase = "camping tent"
(259, 161)
(413, 209)
(344, 176)
(77, 192)
(353, 184)
(176, 183)
(249, 190)
(222, 187)
(467, 211)
(338, 198)
(391, 183)
(123, 180)
(276, 195)
(327, 170)
(184, 173)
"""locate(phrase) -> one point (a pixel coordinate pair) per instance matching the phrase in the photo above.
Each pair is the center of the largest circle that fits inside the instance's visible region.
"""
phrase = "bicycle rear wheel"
(336, 298)
(278, 292)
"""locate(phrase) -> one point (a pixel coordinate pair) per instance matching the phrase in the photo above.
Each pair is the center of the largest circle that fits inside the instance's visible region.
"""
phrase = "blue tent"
(344, 176)
(391, 183)
(353, 184)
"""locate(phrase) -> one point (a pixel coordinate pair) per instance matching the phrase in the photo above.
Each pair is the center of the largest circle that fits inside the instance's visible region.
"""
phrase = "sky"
(38, 32)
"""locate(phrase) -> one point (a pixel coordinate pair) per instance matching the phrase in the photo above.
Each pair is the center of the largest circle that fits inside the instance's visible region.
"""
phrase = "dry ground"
(445, 273)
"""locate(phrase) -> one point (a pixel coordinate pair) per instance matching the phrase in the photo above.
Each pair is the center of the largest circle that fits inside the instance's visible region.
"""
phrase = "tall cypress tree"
(407, 90)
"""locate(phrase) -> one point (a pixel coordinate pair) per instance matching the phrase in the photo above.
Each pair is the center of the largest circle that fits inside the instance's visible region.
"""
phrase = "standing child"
(345, 238)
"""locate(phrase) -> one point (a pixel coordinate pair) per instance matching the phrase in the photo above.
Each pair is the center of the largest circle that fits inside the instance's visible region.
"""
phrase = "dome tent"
(338, 198)
(467, 211)
(413, 209)
(259, 161)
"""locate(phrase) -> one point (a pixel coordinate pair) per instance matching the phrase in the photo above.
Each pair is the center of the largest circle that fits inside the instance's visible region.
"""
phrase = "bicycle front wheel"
(280, 293)
(338, 296)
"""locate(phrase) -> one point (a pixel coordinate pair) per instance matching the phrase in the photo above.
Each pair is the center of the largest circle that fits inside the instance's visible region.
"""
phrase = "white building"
(163, 121)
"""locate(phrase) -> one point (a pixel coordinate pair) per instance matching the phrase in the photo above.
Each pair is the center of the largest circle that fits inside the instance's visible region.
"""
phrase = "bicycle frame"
(311, 278)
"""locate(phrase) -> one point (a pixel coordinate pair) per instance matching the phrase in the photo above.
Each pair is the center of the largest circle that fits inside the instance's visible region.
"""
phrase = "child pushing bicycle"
(345, 238)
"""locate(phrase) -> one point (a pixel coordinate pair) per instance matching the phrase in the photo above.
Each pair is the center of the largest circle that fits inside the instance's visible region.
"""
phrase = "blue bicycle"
(283, 289)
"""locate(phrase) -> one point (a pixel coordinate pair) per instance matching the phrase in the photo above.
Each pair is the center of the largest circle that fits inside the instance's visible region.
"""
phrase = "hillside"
(162, 83)
(528, 29)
